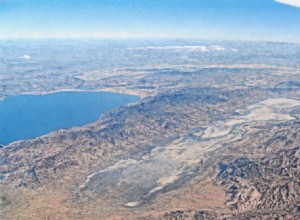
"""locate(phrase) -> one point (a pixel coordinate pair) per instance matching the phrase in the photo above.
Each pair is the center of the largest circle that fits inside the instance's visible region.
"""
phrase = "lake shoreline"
(28, 116)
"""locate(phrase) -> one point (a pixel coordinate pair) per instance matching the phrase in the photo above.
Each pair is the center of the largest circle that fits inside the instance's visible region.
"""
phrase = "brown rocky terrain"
(90, 172)
(216, 142)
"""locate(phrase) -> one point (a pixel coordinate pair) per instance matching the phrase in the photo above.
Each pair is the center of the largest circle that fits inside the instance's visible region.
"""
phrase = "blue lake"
(28, 116)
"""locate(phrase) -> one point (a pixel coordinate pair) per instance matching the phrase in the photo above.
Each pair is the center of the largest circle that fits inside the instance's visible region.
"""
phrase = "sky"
(269, 20)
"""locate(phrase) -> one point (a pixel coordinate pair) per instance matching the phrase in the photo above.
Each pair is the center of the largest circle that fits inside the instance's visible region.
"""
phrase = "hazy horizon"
(245, 20)
(152, 40)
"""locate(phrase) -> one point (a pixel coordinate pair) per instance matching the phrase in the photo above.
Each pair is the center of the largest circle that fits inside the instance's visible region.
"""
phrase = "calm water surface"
(28, 116)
